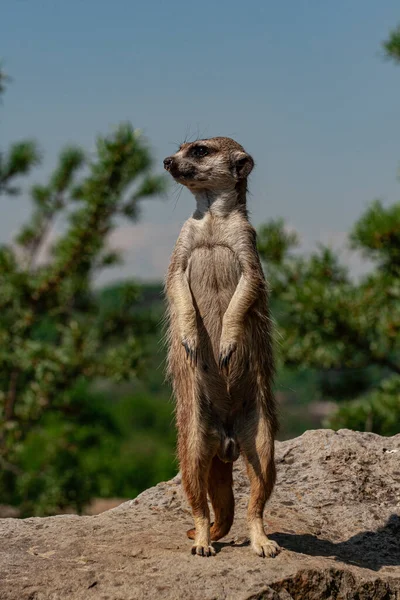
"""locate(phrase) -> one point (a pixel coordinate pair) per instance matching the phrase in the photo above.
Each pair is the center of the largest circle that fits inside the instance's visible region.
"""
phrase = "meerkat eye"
(200, 151)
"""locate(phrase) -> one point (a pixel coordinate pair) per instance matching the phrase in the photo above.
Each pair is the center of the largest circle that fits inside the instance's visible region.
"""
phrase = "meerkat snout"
(168, 162)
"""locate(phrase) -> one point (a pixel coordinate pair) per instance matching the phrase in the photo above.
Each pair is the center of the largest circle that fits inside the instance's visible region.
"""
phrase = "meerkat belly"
(213, 274)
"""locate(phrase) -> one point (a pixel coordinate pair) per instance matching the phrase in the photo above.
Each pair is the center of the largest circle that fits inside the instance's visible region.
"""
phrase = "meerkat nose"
(168, 162)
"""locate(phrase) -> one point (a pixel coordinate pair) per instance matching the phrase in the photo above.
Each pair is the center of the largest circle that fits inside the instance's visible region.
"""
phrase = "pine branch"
(392, 45)
(21, 158)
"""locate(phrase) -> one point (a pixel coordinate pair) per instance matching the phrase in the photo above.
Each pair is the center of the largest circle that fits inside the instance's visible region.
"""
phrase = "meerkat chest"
(213, 273)
(212, 233)
(213, 266)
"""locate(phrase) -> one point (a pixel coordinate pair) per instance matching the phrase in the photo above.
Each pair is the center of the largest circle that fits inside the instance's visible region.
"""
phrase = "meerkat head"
(213, 164)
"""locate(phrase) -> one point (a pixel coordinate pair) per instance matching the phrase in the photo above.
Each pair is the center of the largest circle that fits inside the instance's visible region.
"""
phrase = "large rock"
(335, 512)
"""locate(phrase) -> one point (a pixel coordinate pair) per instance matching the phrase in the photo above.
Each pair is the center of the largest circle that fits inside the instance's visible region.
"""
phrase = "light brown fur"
(220, 356)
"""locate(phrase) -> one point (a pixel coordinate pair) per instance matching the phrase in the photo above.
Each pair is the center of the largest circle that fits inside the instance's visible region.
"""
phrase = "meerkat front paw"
(189, 342)
(203, 550)
(226, 349)
(265, 547)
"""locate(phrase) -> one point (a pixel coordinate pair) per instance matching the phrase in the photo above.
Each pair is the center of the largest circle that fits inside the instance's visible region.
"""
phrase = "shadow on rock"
(367, 549)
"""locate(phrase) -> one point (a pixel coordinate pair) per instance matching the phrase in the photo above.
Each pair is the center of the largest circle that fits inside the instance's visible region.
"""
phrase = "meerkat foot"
(265, 547)
(203, 550)
(202, 544)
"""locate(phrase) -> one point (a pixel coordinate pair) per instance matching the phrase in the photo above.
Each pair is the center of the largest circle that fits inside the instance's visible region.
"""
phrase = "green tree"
(55, 337)
(338, 326)
(349, 331)
(392, 45)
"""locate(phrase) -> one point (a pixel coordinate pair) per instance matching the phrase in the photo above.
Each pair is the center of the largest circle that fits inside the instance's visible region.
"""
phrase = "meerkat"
(219, 335)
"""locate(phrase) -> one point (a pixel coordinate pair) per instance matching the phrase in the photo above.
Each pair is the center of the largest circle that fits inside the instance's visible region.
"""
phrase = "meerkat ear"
(243, 164)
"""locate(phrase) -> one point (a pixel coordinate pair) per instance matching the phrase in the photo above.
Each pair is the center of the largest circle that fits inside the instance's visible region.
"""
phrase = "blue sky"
(302, 85)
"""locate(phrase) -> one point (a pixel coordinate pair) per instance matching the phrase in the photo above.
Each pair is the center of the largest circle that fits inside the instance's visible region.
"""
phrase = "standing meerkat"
(220, 356)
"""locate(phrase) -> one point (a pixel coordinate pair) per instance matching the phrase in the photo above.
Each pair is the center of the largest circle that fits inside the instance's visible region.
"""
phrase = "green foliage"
(348, 332)
(335, 325)
(56, 336)
(18, 161)
(378, 411)
(392, 45)
(377, 235)
(275, 241)
(122, 445)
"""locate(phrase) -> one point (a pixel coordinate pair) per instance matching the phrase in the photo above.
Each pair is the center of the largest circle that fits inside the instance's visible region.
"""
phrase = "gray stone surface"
(335, 512)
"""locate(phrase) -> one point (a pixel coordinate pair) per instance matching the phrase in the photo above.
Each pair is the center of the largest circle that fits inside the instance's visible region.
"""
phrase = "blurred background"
(94, 95)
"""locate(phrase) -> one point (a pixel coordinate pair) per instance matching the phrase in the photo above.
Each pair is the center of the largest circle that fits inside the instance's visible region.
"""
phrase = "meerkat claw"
(200, 550)
(191, 352)
(225, 356)
(266, 548)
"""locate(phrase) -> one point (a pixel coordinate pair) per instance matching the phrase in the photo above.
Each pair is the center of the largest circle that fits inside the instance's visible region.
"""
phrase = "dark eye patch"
(199, 151)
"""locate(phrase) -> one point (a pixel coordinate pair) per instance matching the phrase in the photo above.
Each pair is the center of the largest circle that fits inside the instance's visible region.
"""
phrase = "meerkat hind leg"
(259, 458)
(220, 490)
(194, 479)
(222, 500)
